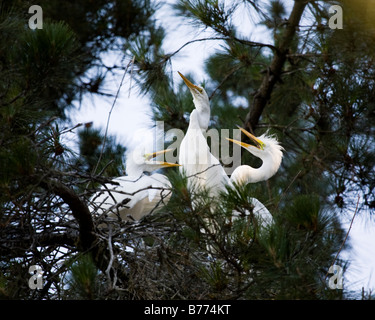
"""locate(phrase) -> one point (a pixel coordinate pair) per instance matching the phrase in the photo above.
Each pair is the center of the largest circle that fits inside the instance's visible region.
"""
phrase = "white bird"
(201, 103)
(202, 169)
(136, 194)
(268, 149)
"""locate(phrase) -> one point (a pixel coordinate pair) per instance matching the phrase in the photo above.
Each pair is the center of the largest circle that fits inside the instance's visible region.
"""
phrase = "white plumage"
(204, 170)
(199, 165)
(268, 149)
(136, 194)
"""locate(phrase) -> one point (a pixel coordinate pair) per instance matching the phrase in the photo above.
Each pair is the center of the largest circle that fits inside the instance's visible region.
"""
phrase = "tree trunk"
(263, 94)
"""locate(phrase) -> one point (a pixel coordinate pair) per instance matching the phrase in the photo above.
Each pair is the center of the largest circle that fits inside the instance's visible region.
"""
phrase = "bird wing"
(261, 212)
(142, 194)
(160, 184)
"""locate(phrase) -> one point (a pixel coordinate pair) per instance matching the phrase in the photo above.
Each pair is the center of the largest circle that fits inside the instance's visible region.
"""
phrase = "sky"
(132, 113)
(361, 255)
(130, 123)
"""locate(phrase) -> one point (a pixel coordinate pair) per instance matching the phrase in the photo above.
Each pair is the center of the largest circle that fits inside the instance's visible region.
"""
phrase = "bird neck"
(194, 120)
(246, 174)
(132, 168)
(270, 165)
(203, 109)
(134, 171)
(204, 119)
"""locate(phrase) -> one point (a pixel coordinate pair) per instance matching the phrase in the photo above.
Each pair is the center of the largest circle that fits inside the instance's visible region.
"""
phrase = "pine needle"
(346, 237)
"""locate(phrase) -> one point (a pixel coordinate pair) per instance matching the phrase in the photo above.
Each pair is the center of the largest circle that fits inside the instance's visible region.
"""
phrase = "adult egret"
(136, 194)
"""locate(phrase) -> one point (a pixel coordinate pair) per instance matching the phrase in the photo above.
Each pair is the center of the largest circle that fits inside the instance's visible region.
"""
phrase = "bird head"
(150, 160)
(263, 147)
(201, 102)
(196, 91)
(145, 162)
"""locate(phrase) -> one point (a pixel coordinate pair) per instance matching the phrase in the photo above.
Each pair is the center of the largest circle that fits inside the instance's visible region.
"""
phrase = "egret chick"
(136, 194)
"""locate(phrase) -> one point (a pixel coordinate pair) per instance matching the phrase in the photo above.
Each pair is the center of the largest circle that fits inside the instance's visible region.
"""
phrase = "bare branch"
(346, 237)
(109, 115)
(79, 210)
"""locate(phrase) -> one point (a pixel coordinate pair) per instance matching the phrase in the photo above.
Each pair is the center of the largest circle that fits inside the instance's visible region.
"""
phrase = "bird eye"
(200, 90)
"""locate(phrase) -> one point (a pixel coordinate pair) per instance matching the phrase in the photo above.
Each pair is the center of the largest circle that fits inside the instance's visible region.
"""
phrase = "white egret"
(199, 165)
(202, 168)
(268, 149)
(201, 103)
(136, 194)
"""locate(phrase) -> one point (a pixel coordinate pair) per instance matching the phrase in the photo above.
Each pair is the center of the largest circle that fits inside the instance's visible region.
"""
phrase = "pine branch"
(232, 38)
(109, 115)
(346, 237)
(263, 94)
(88, 239)
(79, 210)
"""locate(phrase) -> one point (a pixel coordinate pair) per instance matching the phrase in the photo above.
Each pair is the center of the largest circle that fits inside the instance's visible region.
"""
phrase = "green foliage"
(42, 176)
(47, 60)
(196, 247)
(286, 260)
(83, 279)
(235, 62)
(151, 60)
(98, 24)
(111, 157)
(212, 13)
(304, 212)
(11, 286)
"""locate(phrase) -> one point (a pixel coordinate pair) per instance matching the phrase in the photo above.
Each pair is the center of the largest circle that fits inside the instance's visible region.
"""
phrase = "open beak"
(258, 143)
(189, 84)
(149, 156)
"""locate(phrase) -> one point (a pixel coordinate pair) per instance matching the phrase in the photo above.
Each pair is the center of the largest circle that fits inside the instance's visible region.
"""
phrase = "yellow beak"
(189, 84)
(259, 143)
(167, 164)
(149, 156)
